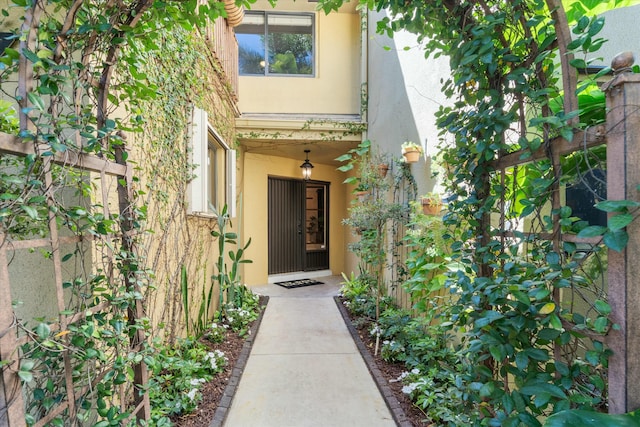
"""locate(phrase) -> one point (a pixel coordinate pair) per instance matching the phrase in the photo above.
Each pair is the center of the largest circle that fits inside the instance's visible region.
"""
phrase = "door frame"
(289, 250)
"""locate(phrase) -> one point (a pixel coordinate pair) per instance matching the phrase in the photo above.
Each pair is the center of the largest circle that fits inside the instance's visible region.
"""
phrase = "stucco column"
(623, 177)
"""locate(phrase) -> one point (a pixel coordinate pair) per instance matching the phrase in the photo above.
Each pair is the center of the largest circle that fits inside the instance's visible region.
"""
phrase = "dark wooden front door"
(298, 225)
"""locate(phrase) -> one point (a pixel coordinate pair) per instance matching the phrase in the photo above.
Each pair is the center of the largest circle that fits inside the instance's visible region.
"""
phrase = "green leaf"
(497, 352)
(25, 376)
(616, 240)
(600, 325)
(43, 330)
(37, 102)
(602, 307)
(522, 360)
(592, 231)
(555, 321)
(487, 318)
(540, 388)
(596, 26)
(32, 212)
(27, 364)
(548, 334)
(529, 420)
(620, 221)
(344, 158)
(617, 205)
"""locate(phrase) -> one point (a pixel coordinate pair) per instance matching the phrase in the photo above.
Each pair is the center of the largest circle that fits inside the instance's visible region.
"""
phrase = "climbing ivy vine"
(97, 78)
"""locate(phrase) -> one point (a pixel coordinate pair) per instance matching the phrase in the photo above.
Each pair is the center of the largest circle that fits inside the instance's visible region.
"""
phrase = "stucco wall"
(404, 95)
(331, 90)
(617, 40)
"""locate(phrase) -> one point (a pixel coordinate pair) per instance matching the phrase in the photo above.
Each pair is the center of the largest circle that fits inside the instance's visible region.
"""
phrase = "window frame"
(266, 73)
(210, 181)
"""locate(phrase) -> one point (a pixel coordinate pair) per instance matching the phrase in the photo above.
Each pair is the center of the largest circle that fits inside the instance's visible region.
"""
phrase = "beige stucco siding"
(334, 89)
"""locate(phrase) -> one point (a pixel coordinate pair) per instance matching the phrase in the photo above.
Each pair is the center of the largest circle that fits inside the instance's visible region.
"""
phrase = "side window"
(275, 43)
(213, 183)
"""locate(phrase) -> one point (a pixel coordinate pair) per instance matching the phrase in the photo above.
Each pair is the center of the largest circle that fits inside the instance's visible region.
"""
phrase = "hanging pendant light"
(306, 167)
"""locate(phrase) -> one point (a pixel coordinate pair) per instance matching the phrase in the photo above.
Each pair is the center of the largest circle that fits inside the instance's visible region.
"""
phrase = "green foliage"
(353, 158)
(361, 296)
(177, 375)
(8, 118)
(584, 418)
(238, 315)
(511, 295)
(370, 216)
(428, 259)
(228, 279)
(614, 235)
(89, 60)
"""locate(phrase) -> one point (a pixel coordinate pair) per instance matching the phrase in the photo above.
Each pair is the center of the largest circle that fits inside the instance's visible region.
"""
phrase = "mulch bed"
(218, 393)
(213, 391)
(404, 412)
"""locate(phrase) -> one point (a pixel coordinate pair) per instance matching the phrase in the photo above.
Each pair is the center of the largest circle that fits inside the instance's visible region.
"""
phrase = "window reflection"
(315, 217)
(275, 43)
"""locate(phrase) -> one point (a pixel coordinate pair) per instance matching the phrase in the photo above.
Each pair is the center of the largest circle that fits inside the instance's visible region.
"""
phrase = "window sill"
(203, 215)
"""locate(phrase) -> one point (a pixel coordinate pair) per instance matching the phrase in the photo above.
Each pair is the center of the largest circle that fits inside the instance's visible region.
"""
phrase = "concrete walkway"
(304, 369)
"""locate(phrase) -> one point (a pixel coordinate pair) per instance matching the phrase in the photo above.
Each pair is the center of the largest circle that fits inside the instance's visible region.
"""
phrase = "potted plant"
(411, 151)
(361, 192)
(383, 168)
(431, 203)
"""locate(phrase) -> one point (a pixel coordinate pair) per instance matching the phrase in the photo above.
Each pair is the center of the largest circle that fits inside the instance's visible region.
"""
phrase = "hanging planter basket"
(411, 156)
(431, 207)
(362, 195)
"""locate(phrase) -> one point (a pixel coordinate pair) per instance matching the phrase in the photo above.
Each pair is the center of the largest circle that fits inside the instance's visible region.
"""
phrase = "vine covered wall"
(95, 165)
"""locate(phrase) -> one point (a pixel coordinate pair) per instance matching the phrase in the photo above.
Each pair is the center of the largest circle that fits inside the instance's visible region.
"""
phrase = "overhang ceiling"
(289, 135)
(323, 152)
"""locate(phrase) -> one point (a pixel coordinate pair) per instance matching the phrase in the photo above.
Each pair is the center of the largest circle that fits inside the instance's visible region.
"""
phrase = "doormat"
(298, 283)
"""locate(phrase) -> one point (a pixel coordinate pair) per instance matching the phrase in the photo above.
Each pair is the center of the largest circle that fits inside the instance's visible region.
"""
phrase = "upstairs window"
(271, 43)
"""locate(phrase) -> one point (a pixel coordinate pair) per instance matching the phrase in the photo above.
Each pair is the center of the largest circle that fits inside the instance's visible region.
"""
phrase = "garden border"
(221, 412)
(398, 414)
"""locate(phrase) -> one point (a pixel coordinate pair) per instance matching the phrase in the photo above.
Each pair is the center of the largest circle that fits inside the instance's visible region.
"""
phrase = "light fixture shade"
(306, 167)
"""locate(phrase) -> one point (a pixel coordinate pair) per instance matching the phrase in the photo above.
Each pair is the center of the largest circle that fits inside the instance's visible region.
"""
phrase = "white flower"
(192, 393)
(415, 371)
(196, 381)
(408, 389)
(402, 376)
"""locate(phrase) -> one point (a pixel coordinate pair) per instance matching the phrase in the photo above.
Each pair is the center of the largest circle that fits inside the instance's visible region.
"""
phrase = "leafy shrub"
(177, 375)
(238, 317)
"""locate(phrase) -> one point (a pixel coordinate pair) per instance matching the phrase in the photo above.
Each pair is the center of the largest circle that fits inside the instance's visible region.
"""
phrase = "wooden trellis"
(12, 410)
(621, 135)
